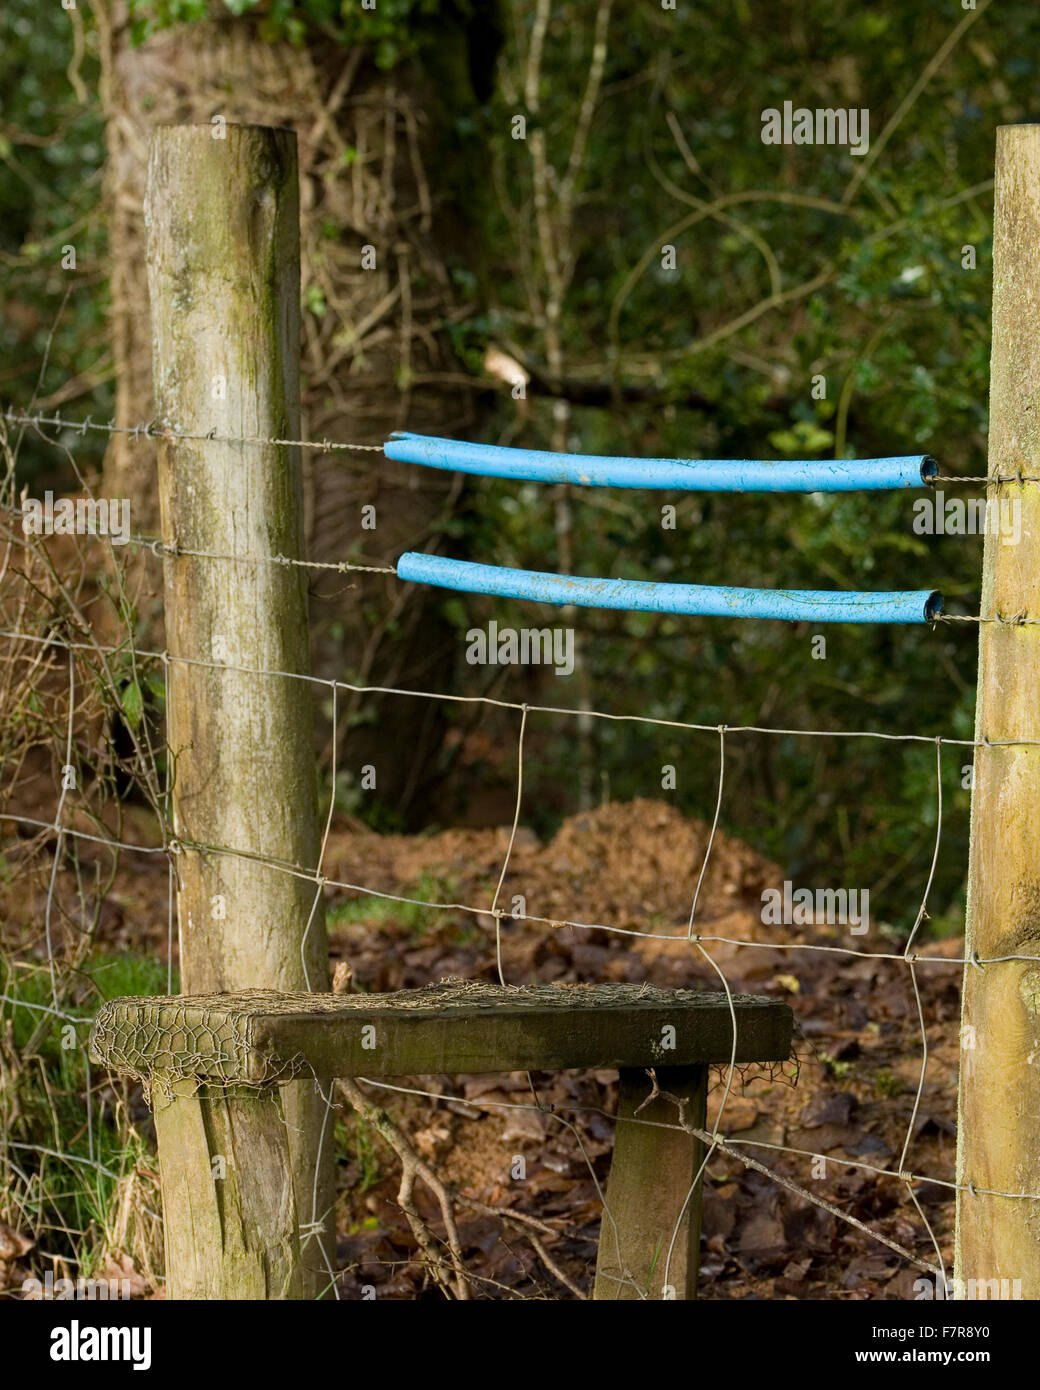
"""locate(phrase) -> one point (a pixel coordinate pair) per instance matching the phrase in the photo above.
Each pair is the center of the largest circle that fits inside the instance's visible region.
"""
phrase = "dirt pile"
(849, 1098)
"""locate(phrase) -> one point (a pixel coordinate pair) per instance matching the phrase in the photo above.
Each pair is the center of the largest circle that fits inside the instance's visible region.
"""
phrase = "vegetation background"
(544, 255)
(643, 130)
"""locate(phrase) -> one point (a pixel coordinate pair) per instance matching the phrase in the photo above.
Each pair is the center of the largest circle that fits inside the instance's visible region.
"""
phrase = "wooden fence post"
(998, 1238)
(649, 1242)
(222, 214)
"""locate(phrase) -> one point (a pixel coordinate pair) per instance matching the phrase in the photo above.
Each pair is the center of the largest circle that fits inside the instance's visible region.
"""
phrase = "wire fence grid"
(47, 661)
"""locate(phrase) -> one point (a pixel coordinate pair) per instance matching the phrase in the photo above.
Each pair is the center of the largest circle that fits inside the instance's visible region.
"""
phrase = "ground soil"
(848, 1094)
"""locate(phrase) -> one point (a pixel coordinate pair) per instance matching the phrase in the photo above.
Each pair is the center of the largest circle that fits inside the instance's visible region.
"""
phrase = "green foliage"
(355, 1143)
(896, 321)
(716, 358)
(392, 30)
(415, 917)
(132, 702)
(886, 1084)
(52, 319)
(66, 1171)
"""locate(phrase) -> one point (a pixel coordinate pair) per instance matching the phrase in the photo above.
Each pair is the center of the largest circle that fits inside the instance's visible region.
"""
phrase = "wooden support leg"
(650, 1239)
(230, 1221)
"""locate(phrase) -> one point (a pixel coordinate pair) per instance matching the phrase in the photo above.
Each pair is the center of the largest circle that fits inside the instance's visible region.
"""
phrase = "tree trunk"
(374, 351)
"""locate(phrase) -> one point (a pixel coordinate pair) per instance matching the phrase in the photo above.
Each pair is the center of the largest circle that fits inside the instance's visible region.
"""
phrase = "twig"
(413, 1168)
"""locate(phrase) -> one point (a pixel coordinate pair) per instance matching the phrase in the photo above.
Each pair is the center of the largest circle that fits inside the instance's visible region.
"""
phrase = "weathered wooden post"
(243, 1173)
(649, 1244)
(998, 1238)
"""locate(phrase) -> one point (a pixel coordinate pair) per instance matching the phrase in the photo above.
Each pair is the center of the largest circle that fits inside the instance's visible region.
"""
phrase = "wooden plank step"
(255, 1036)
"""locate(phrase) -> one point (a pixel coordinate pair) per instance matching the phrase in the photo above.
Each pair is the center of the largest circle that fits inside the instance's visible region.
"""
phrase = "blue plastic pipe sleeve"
(639, 596)
(689, 475)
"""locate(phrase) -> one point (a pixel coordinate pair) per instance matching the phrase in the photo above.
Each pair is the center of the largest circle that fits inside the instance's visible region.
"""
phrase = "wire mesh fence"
(86, 788)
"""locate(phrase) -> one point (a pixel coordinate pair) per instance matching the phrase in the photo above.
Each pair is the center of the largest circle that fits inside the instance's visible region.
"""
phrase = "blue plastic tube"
(639, 596)
(689, 475)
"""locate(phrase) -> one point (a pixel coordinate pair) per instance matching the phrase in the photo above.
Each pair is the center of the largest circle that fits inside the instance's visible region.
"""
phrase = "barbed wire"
(159, 432)
(988, 479)
(152, 430)
(160, 548)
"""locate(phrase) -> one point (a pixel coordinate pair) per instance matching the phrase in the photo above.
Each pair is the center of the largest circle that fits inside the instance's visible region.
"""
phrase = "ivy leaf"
(132, 701)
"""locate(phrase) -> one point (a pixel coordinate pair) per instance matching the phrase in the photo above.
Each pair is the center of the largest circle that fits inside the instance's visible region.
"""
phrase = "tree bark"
(375, 352)
(223, 275)
(998, 1237)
